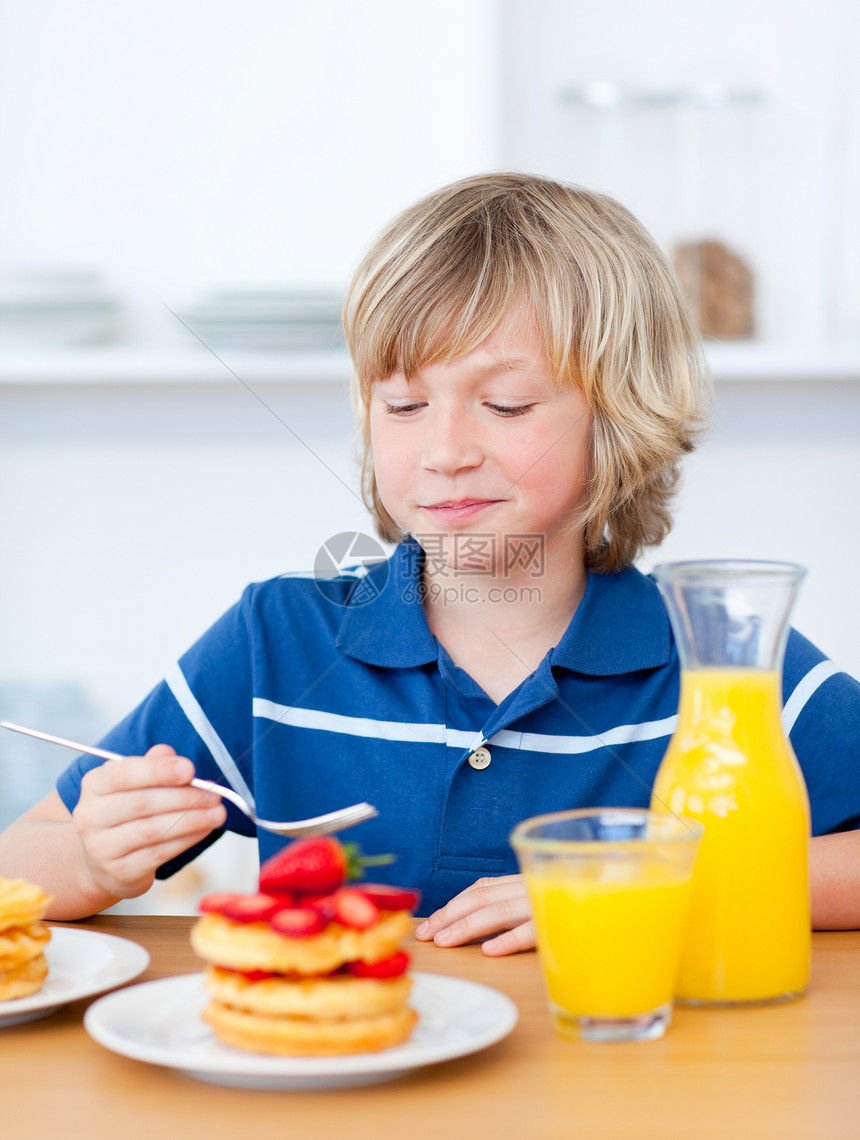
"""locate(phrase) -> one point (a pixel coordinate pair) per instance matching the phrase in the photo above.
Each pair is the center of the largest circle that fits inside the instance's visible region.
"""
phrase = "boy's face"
(483, 446)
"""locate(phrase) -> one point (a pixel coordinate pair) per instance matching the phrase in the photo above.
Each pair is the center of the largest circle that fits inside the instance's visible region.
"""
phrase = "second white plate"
(80, 963)
(160, 1022)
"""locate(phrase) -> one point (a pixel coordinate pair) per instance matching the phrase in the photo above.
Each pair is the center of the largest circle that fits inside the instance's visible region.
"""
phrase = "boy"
(527, 380)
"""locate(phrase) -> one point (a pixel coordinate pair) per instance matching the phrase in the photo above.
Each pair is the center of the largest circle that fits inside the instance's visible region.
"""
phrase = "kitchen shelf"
(753, 361)
(128, 365)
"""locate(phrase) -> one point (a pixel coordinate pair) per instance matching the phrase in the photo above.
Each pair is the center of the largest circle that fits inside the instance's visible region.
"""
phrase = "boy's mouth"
(460, 508)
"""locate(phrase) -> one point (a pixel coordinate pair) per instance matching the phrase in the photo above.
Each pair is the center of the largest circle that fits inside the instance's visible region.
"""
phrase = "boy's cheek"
(392, 481)
(392, 502)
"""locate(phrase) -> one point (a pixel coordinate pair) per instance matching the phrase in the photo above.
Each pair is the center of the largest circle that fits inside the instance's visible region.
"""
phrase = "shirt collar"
(620, 626)
(385, 623)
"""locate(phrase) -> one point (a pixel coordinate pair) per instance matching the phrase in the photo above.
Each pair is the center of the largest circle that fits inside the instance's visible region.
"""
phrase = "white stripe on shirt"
(803, 691)
(189, 704)
(622, 734)
(419, 733)
(350, 725)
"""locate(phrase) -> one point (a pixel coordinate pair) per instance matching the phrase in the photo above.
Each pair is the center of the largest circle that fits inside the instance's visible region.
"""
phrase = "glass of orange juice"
(610, 891)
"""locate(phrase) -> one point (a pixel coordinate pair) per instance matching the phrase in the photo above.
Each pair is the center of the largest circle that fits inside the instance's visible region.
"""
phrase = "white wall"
(178, 146)
(777, 477)
(791, 195)
(184, 145)
(132, 517)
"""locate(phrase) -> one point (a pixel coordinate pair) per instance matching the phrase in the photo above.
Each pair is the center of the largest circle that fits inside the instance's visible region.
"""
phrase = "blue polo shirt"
(307, 696)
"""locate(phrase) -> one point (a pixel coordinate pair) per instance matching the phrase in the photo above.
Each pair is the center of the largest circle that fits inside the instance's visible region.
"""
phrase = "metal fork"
(316, 825)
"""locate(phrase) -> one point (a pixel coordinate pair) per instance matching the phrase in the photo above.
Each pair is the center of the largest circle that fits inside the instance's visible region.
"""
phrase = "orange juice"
(610, 948)
(730, 766)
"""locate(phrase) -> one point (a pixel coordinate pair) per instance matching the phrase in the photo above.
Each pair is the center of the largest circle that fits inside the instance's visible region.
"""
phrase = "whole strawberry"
(308, 865)
(316, 865)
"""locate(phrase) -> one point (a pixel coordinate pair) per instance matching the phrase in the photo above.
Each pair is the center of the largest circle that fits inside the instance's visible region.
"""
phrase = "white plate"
(80, 963)
(161, 1022)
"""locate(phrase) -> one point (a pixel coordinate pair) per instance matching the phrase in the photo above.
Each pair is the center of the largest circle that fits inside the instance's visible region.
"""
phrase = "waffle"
(23, 936)
(255, 946)
(309, 1037)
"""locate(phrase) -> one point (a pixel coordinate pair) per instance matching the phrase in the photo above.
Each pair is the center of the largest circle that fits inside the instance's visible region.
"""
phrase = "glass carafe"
(730, 766)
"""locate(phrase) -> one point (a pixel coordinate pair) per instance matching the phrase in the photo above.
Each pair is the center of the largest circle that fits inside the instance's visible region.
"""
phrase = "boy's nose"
(452, 445)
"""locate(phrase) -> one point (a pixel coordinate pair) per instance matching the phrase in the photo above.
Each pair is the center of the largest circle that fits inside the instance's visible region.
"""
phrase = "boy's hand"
(135, 814)
(488, 906)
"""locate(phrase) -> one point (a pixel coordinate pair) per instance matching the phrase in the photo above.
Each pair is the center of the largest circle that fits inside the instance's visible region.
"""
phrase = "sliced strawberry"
(255, 975)
(261, 975)
(391, 967)
(390, 898)
(212, 904)
(354, 909)
(298, 921)
(323, 903)
(316, 865)
(244, 908)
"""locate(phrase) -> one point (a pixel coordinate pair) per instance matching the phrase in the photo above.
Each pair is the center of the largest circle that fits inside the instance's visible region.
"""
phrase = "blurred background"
(211, 171)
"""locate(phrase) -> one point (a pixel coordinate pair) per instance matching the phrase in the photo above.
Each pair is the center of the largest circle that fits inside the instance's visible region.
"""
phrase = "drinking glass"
(610, 892)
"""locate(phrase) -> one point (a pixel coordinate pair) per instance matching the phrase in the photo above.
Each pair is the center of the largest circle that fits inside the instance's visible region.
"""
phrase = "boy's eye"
(507, 410)
(510, 409)
(401, 409)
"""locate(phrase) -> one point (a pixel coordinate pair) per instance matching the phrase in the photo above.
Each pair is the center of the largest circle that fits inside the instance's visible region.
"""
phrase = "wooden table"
(787, 1071)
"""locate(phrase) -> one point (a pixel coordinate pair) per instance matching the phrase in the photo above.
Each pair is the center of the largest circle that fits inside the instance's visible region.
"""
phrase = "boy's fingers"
(522, 937)
(111, 843)
(159, 767)
(205, 818)
(110, 811)
(161, 750)
(124, 859)
(131, 873)
(487, 907)
(483, 893)
(503, 915)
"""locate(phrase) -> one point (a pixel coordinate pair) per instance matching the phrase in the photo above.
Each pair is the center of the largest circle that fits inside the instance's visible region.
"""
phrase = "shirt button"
(480, 758)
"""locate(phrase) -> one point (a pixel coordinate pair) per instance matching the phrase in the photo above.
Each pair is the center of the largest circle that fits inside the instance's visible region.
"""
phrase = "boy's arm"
(834, 874)
(43, 847)
(133, 815)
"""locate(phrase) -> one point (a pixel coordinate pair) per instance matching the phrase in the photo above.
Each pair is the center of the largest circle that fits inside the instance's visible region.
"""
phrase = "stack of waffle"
(308, 966)
(23, 936)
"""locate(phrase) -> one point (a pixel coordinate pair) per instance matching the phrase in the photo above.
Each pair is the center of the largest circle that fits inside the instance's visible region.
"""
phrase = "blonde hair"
(611, 312)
